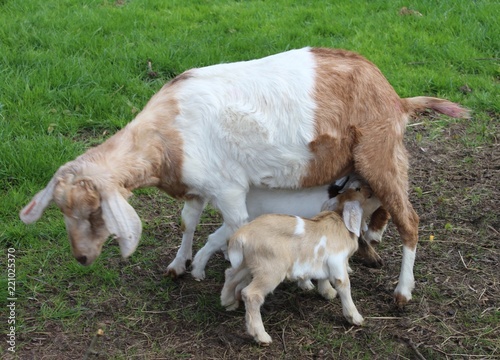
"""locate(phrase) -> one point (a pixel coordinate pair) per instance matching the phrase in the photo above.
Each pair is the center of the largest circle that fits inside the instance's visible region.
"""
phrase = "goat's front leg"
(232, 205)
(340, 278)
(190, 217)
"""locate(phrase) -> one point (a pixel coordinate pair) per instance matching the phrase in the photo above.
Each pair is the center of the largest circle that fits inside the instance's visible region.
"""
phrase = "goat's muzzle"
(82, 260)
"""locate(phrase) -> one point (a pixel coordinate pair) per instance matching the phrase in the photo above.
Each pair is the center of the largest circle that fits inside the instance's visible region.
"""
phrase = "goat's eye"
(358, 189)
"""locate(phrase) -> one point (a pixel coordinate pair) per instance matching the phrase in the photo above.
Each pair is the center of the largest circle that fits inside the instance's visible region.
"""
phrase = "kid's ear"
(353, 216)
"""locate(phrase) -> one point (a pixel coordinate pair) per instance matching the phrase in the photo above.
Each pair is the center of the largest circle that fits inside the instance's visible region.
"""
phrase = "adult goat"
(292, 120)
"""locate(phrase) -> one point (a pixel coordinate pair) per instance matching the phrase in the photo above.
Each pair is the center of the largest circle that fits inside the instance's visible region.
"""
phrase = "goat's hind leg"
(326, 289)
(389, 181)
(190, 216)
(236, 279)
(253, 295)
(406, 221)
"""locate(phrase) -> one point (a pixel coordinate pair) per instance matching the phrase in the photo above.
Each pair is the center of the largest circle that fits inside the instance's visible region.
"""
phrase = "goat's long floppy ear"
(353, 216)
(34, 210)
(122, 220)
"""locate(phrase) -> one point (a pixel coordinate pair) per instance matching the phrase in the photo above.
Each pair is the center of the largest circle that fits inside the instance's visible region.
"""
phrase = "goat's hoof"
(174, 273)
(177, 268)
(401, 300)
(198, 275)
(305, 284)
(329, 294)
(232, 306)
(264, 339)
(171, 273)
(355, 319)
(358, 320)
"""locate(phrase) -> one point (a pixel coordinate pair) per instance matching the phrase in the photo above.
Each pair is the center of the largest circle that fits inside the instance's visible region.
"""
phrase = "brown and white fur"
(274, 247)
(293, 120)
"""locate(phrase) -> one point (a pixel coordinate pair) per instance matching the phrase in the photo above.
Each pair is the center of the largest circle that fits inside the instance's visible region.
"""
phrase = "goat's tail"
(235, 250)
(420, 103)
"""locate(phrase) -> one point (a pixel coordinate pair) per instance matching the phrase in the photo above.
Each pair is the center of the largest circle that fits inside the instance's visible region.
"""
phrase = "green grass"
(74, 72)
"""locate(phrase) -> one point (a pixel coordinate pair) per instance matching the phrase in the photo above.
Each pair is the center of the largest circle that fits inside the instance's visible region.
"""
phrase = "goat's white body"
(232, 129)
(316, 268)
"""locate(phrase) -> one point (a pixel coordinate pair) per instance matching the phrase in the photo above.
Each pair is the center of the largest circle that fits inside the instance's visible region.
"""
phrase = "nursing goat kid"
(309, 202)
(274, 247)
(300, 202)
(293, 120)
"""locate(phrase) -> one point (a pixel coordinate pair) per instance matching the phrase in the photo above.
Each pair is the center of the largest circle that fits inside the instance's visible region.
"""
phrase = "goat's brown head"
(353, 195)
(93, 210)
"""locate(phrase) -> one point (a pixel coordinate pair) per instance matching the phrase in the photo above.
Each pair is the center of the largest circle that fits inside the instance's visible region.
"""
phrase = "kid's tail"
(235, 250)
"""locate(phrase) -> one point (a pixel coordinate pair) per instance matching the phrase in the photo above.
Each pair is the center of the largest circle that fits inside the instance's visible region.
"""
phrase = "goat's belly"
(301, 202)
(257, 164)
(307, 270)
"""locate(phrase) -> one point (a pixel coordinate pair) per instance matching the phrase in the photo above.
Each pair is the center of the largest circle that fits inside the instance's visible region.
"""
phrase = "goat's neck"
(133, 160)
(149, 150)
